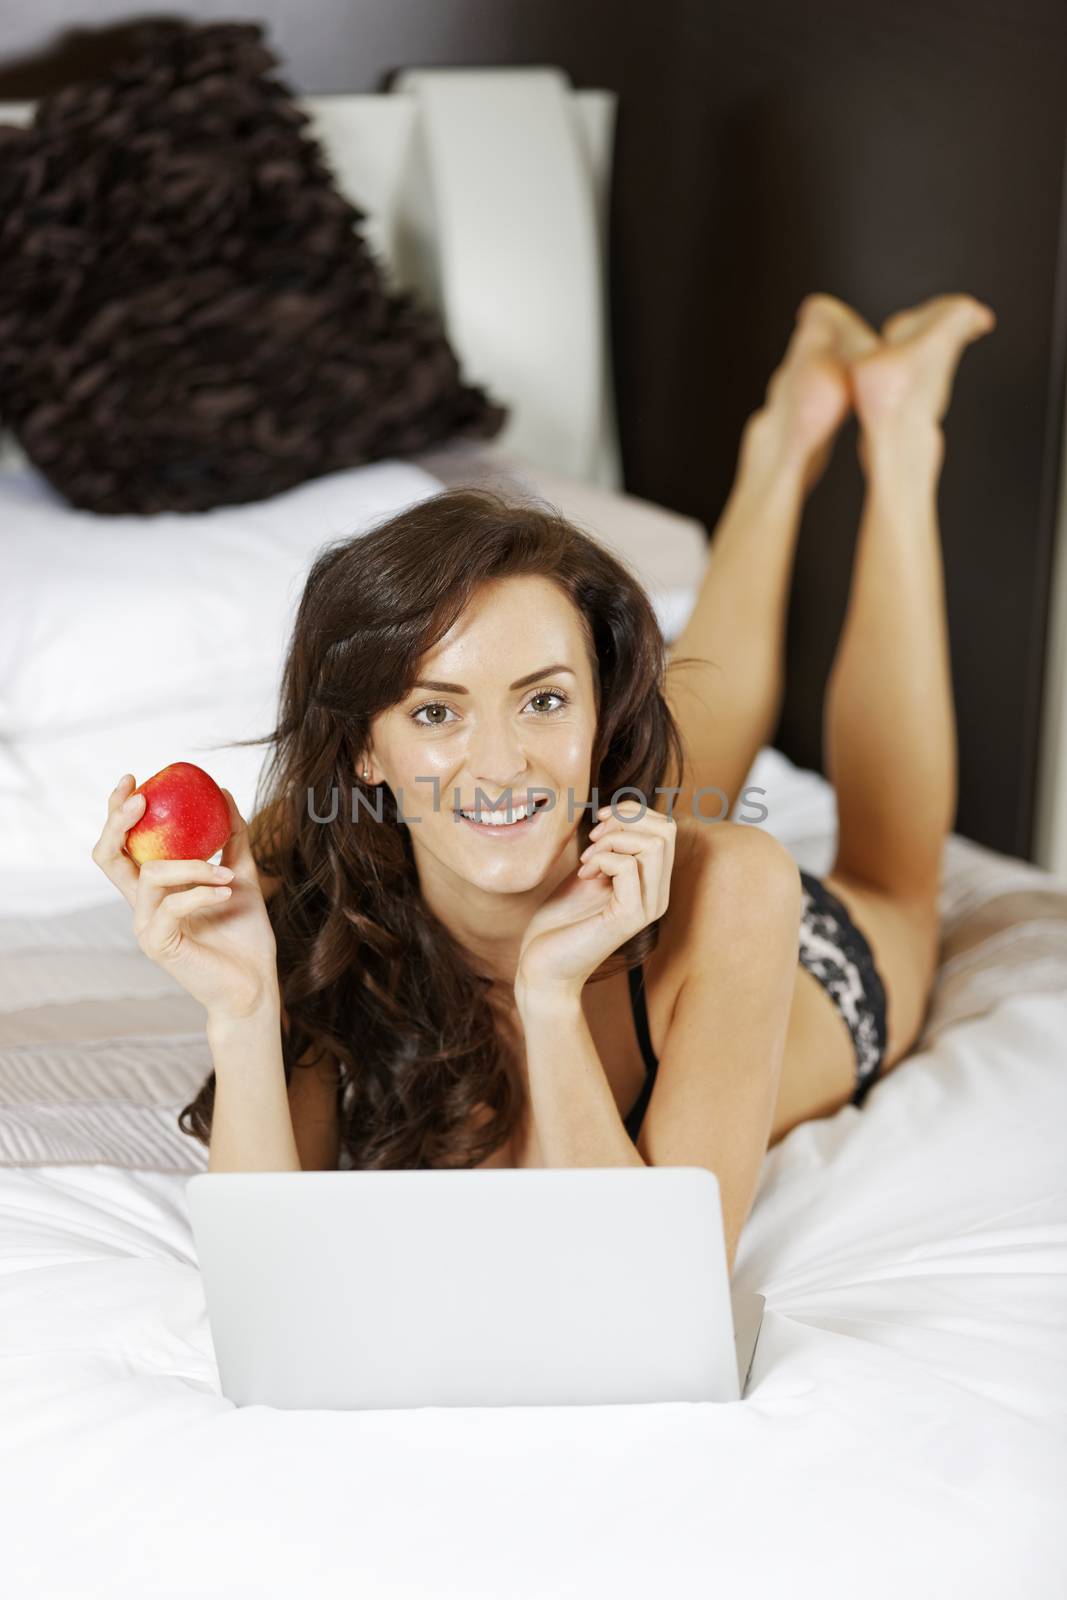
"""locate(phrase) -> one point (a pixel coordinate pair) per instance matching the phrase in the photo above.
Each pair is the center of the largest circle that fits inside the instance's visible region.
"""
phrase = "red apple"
(185, 818)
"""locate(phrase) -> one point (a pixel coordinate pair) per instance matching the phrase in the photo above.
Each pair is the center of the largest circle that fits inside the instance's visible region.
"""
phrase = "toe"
(960, 318)
(953, 316)
(816, 302)
(983, 317)
(828, 308)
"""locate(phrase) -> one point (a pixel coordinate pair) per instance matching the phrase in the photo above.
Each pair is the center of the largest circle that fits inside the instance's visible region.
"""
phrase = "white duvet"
(905, 1424)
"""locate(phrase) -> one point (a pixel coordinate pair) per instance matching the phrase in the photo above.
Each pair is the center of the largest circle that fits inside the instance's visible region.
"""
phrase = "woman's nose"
(497, 756)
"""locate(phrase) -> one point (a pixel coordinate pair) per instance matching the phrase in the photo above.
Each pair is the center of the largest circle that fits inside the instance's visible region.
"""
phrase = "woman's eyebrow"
(520, 683)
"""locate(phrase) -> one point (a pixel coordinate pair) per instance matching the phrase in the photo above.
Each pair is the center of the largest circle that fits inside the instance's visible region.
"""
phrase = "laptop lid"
(500, 1286)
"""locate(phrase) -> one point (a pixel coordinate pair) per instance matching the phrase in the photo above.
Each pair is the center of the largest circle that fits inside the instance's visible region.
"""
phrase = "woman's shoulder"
(734, 852)
(722, 871)
(733, 869)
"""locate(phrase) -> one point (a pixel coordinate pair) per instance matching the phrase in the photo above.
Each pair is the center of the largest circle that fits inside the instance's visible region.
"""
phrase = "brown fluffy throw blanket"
(188, 316)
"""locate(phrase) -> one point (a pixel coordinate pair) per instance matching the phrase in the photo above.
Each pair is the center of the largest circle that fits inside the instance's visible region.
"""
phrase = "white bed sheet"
(905, 1426)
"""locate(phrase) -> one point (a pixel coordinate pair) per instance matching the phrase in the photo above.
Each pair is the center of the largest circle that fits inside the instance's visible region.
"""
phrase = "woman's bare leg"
(727, 700)
(890, 733)
(889, 728)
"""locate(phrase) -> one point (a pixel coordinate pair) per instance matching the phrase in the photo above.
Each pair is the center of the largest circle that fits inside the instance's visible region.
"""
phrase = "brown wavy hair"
(369, 977)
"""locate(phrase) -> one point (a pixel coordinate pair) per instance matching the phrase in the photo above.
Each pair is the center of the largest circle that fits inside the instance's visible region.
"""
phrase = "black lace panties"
(834, 950)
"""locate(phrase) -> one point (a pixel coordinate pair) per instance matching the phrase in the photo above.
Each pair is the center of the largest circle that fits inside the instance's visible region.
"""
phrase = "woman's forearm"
(574, 1111)
(251, 1127)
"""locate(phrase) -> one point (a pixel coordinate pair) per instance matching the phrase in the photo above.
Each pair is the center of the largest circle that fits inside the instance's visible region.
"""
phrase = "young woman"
(425, 988)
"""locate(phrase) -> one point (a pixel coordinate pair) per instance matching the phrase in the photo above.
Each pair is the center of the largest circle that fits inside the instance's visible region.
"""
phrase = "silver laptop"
(507, 1286)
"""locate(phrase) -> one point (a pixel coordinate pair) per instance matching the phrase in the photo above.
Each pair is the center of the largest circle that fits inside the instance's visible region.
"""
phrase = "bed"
(905, 1424)
(906, 1416)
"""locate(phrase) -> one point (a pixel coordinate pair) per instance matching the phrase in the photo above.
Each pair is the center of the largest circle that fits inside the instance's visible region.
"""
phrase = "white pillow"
(103, 618)
(49, 826)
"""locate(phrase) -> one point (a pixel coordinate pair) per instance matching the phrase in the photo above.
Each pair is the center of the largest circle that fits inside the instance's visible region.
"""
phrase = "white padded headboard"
(486, 194)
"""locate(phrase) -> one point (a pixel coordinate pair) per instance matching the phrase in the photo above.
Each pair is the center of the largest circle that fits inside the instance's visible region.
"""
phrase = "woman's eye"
(436, 722)
(440, 722)
(551, 694)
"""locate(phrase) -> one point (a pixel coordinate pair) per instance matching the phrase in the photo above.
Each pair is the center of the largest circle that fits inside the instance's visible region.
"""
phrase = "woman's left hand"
(622, 885)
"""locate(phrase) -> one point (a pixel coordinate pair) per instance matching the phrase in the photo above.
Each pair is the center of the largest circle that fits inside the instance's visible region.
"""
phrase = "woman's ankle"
(903, 445)
(766, 462)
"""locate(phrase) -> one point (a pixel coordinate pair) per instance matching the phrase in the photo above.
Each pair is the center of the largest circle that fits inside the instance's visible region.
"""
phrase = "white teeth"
(497, 819)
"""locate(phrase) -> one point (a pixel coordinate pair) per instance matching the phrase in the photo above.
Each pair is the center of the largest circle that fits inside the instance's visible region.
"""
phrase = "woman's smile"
(498, 824)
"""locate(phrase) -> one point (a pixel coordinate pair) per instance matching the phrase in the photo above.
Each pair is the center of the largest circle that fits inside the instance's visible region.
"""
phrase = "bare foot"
(908, 379)
(809, 395)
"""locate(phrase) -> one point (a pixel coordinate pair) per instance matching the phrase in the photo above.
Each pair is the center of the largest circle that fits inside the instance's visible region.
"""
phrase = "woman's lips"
(504, 829)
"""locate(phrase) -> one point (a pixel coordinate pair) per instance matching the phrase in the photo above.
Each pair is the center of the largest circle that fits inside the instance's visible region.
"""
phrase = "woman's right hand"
(221, 948)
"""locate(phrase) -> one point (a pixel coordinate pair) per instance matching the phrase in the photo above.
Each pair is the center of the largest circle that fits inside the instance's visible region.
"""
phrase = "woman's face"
(504, 702)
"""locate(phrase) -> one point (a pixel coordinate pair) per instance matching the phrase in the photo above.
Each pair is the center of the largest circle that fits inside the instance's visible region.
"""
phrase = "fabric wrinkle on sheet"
(837, 954)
